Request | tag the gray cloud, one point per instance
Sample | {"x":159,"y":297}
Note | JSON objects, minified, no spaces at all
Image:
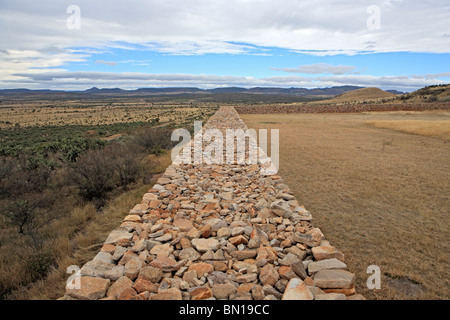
{"x":318,"y":68}
{"x":109,"y":63}
{"x":223,"y":26}
{"x":133,"y":80}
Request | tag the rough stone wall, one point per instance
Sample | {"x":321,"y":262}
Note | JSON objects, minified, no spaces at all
{"x":341,"y":108}
{"x":219,"y":231}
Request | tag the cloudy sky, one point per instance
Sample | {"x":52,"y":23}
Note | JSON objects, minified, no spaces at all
{"x":78,"y":44}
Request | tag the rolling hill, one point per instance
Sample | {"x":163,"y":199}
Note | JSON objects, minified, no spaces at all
{"x":371,"y":93}
{"x":437,"y":93}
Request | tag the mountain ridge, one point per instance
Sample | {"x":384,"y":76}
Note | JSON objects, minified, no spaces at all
{"x":326,"y":92}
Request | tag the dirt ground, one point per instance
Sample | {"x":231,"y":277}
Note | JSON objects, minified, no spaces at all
{"x":381,"y":196}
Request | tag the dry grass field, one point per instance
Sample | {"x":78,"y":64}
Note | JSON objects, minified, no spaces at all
{"x":76,"y":113}
{"x":431,"y":128}
{"x":382,"y":196}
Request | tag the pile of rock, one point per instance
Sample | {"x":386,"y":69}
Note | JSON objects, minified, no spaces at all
{"x":217,"y":232}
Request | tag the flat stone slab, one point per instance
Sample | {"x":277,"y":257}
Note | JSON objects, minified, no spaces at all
{"x":118,"y":235}
{"x":333,"y":263}
{"x":91,"y":288}
{"x":334,"y":279}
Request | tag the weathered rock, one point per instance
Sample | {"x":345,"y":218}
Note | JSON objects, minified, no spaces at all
{"x":296,"y":289}
{"x":203,"y":245}
{"x":115,"y":273}
{"x":237,"y":240}
{"x":205,"y":231}
{"x":216,"y":224}
{"x":244,"y":254}
{"x":166,"y":264}
{"x":133,"y":218}
{"x":301,"y":254}
{"x":133,"y":267}
{"x":299,"y":269}
{"x":223,"y":291}
{"x":190,"y":275}
{"x":162,"y":250}
{"x":117,"y":236}
{"x":289,"y":259}
{"x":168,"y":294}
{"x":129,"y":294}
{"x":201,"y":293}
{"x":183,"y":224}
{"x":151,"y":273}
{"x":91,"y":288}
{"x":330,"y":296}
{"x":189,"y":254}
{"x":286,"y":273}
{"x":118,"y":286}
{"x":333,"y":263}
{"x":140,"y":245}
{"x":245,"y":278}
{"x":334,"y":279}
{"x":268,"y":275}
{"x":281,"y":208}
{"x":201,"y":268}
{"x":306,"y":239}
{"x":164,"y":238}
{"x":142,"y":284}
{"x":327,"y":252}
{"x":223,"y":233}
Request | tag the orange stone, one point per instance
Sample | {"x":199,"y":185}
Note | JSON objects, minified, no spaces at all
{"x":201,"y":268}
{"x":201,"y":293}
{"x":237,"y":240}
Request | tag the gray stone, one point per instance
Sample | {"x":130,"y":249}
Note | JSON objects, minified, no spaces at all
{"x":299,"y":269}
{"x":115,"y":273}
{"x":189,"y":253}
{"x":331,"y":296}
{"x":203,"y":245}
{"x":118,"y":235}
{"x":281,"y":208}
{"x":333,"y":263}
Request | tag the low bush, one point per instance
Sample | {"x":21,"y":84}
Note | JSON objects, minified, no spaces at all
{"x":154,"y":139}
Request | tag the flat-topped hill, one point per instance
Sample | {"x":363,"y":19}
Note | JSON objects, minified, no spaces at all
{"x":363,"y":94}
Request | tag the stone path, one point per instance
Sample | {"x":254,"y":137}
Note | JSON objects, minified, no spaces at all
{"x":217,"y":232}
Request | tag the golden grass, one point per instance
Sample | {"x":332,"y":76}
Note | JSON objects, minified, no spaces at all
{"x":380,"y":203}
{"x":64,"y":113}
{"x":363,"y":94}
{"x":429,"y":128}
